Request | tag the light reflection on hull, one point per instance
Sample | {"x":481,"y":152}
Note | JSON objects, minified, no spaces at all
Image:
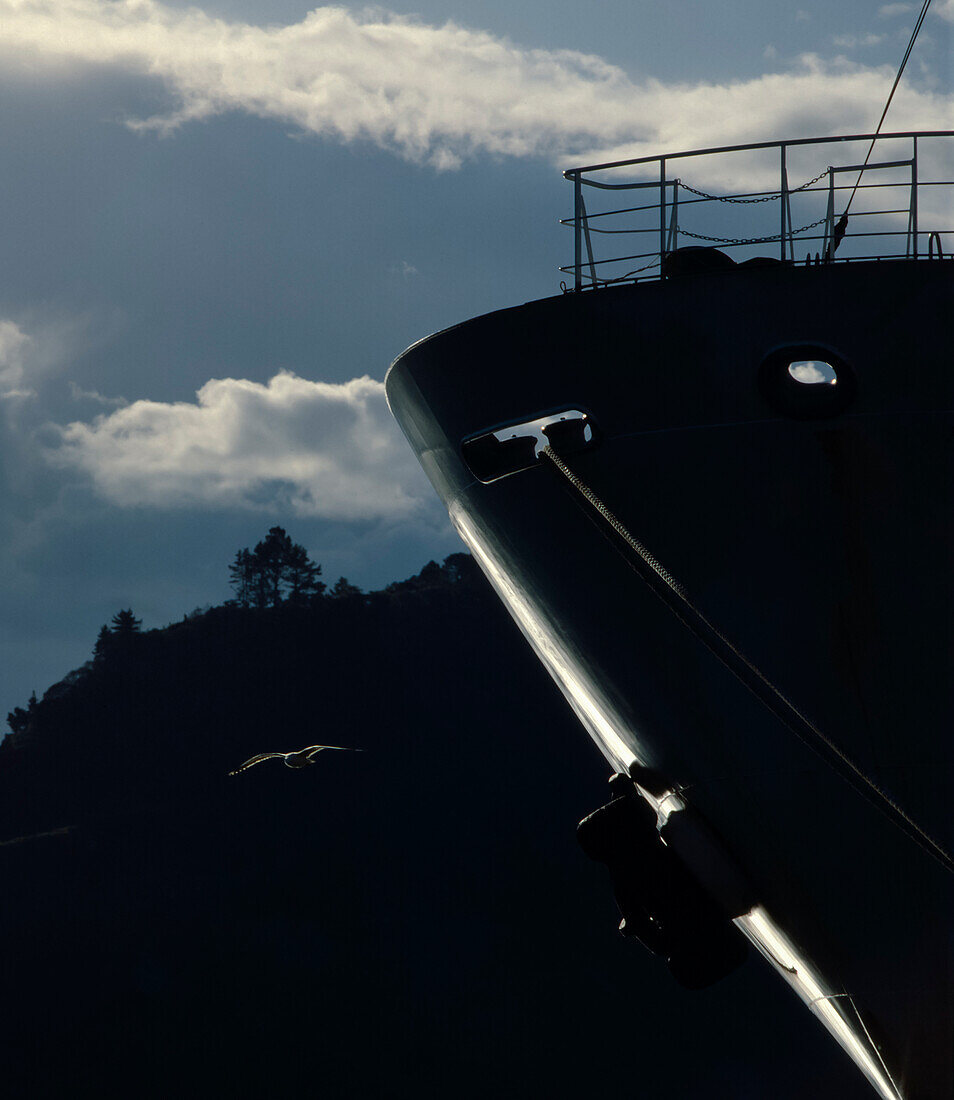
{"x":849,"y":1030}
{"x":617,"y":746}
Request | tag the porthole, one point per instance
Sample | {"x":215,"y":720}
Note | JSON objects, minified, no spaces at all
{"x":807,"y":382}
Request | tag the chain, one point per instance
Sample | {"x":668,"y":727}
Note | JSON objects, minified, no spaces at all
{"x":749,"y":240}
{"x":764,"y":198}
{"x":715,"y":240}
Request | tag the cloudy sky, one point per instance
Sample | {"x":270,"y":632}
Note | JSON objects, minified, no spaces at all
{"x":219,"y":224}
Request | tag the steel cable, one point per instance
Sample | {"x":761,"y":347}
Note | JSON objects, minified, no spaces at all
{"x":894,"y":86}
{"x":673,"y":594}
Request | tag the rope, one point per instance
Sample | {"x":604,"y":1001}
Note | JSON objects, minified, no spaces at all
{"x":894,"y":86}
{"x":675,"y":597}
{"x":629,"y":274}
{"x":585,"y":491}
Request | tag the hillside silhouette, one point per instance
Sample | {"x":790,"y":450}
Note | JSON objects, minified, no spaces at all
{"x":412,"y":920}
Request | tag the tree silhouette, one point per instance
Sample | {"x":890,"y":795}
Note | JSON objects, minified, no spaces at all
{"x":240,"y":577}
{"x":19,"y":719}
{"x":343,"y":589}
{"x":103,"y":642}
{"x":301,"y":574}
{"x":125,"y":625}
{"x":276,"y":570}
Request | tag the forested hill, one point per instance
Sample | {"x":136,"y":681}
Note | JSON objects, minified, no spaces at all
{"x":415,"y":919}
{"x":160,"y":714}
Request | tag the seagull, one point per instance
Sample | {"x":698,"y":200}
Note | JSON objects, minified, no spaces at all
{"x":300,"y":759}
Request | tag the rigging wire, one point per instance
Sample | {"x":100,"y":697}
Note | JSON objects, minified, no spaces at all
{"x":894,"y":86}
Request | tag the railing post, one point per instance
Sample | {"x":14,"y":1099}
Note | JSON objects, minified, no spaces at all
{"x":829,"y":250}
{"x":662,"y":213}
{"x":577,"y":231}
{"x":783,"y":200}
{"x":673,"y":241}
{"x":587,"y":241}
{"x":914,"y":198}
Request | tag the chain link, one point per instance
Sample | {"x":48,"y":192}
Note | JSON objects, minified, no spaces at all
{"x":748,"y":240}
{"x":721,"y":240}
{"x":764,"y":198}
{"x":715,"y":240}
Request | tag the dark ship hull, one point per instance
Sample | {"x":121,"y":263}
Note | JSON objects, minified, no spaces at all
{"x":786,"y":673}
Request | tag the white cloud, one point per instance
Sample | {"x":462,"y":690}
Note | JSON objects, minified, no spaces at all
{"x":34,"y":347}
{"x":811,"y":373}
{"x":308,"y":448}
{"x":853,"y":41}
{"x":79,"y":394}
{"x":440,"y":94}
{"x":404,"y":269}
{"x":888,"y":10}
{"x":14,"y":345}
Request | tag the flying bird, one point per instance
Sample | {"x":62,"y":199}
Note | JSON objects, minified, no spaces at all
{"x":300,"y":759}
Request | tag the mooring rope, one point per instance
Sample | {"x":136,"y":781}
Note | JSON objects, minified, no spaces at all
{"x":674,"y":595}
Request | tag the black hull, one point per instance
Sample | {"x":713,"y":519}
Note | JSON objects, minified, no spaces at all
{"x":817,"y":547}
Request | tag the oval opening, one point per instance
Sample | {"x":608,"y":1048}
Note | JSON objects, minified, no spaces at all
{"x":807,"y":381}
{"x":813,"y":372}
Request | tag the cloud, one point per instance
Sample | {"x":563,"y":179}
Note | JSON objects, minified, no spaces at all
{"x":853,"y":41}
{"x":811,"y":372}
{"x":79,"y":394}
{"x":33,"y":348}
{"x":14,"y":345}
{"x":439,"y":94}
{"x":404,"y":269}
{"x":292,"y":446}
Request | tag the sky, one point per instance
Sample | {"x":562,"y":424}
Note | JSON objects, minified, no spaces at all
{"x":220,"y":224}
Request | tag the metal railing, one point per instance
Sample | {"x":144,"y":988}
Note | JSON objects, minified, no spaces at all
{"x":674,"y":213}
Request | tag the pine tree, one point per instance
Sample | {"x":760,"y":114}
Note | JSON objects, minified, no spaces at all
{"x":301,"y":575}
{"x":103,"y":643}
{"x":241,"y":578}
{"x":270,"y":557}
{"x":344,"y":589}
{"x":125,"y":625}
{"x":276,"y":570}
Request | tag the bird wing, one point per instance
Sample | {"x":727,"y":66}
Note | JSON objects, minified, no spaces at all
{"x":257,"y":760}
{"x":313,"y":750}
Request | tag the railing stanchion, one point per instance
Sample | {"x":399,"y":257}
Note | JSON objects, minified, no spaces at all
{"x":587,"y":241}
{"x":673,"y":242}
{"x":662,"y":213}
{"x":914,"y":198}
{"x":577,"y":231}
{"x":783,"y":200}
{"x":829,"y":252}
